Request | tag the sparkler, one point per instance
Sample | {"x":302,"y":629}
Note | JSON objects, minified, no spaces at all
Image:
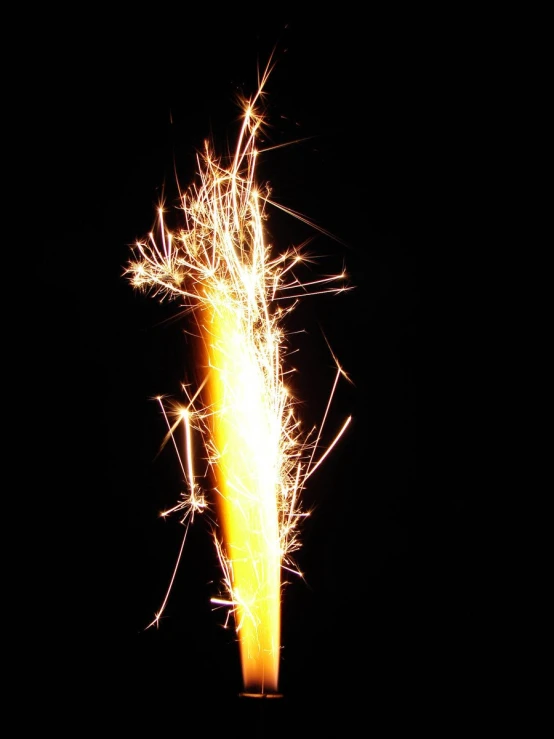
{"x":220,"y":266}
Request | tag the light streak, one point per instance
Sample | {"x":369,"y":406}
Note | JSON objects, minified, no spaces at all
{"x":220,"y":266}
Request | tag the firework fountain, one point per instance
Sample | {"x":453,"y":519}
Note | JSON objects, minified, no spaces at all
{"x":257,"y":458}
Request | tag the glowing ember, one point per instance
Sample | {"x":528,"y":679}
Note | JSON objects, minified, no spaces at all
{"x":220,"y":266}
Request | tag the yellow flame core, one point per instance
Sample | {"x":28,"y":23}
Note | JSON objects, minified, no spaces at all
{"x":246,"y":432}
{"x":221,"y":267}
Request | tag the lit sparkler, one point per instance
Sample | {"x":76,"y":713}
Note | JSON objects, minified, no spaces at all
{"x":220,"y":266}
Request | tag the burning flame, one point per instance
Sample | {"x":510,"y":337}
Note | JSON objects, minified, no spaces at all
{"x":220,"y":265}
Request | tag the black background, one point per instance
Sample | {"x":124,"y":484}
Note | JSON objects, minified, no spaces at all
{"x":380,"y":631}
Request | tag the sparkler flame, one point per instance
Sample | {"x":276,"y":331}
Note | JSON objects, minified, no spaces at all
{"x":220,"y":265}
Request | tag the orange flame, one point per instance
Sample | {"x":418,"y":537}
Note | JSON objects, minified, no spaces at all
{"x":246,"y":435}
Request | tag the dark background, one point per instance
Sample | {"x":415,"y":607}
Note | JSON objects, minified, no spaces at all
{"x":380,"y":631}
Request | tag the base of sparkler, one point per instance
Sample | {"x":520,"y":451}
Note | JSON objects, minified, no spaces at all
{"x":260,"y":695}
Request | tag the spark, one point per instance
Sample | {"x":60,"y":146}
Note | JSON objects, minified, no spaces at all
{"x":220,"y":266}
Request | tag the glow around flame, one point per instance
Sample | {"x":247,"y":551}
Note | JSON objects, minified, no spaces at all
{"x":220,"y":266}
